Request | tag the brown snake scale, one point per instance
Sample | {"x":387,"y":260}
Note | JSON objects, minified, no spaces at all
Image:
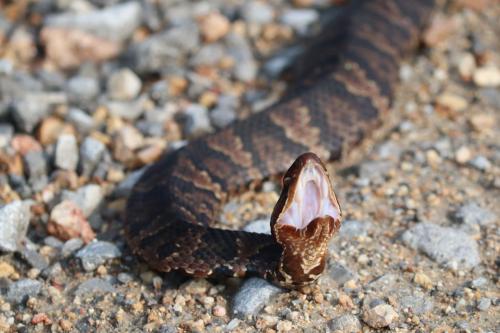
{"x":344,"y":90}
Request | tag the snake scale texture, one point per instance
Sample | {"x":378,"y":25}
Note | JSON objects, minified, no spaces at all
{"x":345,"y":90}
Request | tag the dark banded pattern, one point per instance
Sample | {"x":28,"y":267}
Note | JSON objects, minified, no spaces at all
{"x":346,"y":86}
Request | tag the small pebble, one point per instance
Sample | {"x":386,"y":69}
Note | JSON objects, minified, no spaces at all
{"x":70,"y":246}
{"x":484,"y":304}
{"x":124,"y":85}
{"x":479,"y":282}
{"x":473,"y":214}
{"x":66,"y":152}
{"x":21,"y":290}
{"x":91,"y":152}
{"x":299,"y":19}
{"x":36,"y":167}
{"x":346,"y":323}
{"x":82,"y":90}
{"x":219,"y":311}
{"x":423,"y":280}
{"x":452,"y":101}
{"x":481,"y":163}
{"x":463,"y":155}
{"x":196,"y":120}
{"x":82,"y":121}
{"x":96,"y":253}
{"x":68,"y":221}
{"x":94,"y":286}
{"x":252,"y":296}
{"x":378,"y":314}
{"x":214,"y":26}
{"x":257,"y":12}
{"x":487,"y":76}
{"x":14,"y":222}
{"x":87,"y":197}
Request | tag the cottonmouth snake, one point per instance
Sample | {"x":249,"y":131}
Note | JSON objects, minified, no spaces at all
{"x":343,"y":91}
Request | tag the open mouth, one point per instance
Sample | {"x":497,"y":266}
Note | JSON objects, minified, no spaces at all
{"x":309,"y":198}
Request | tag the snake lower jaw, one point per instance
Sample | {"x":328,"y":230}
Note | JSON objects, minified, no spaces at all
{"x":304,"y":251}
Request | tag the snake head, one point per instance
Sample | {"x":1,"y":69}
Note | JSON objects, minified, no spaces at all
{"x":304,"y":219}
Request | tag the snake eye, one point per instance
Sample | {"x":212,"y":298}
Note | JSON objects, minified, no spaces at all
{"x":310,"y":198}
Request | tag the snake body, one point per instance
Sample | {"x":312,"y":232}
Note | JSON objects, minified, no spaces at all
{"x":343,"y":92}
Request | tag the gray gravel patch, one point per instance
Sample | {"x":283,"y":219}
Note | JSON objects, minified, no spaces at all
{"x":449,"y":247}
{"x":252,"y":296}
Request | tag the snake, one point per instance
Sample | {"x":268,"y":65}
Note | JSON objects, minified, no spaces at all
{"x":342,"y":89}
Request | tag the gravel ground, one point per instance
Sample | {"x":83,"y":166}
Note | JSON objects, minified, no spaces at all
{"x":88,"y":101}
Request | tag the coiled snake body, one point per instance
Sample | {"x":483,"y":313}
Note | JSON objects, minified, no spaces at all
{"x":345,"y":91}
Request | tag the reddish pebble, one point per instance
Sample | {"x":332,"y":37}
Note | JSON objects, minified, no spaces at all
{"x":67,"y":221}
{"x":41,"y":318}
{"x":24,"y":144}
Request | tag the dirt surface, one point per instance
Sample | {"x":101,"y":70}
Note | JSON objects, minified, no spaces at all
{"x":419,"y":247}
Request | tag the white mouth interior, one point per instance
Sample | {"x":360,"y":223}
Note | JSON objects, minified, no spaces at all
{"x":311,"y":200}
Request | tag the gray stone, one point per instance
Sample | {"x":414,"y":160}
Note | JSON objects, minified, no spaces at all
{"x":168,"y":328}
{"x":208,"y":55}
{"x":346,"y":323}
{"x":91,"y":153}
{"x":52,"y":80}
{"x":472,"y":214}
{"x":340,"y":274}
{"x":479,"y":282}
{"x":160,"y":92}
{"x":162,"y":51}
{"x":19,"y":184}
{"x":299,"y":19}
{"x":417,"y":304}
{"x":449,"y":247}
{"x":124,"y":277}
{"x":70,"y":246}
{"x":389,"y":150}
{"x":94,"y":286}
{"x":53,"y":242}
{"x":259,"y":226}
{"x":252,"y":296}
{"x":28,"y":112}
{"x":33,"y":258}
{"x":96,"y":253}
{"x":490,"y":96}
{"x":481,"y":163}
{"x":6,"y":133}
{"x":222,"y":117}
{"x":36,"y":167}
{"x":66,"y":152}
{"x":14,"y":222}
{"x":484,"y":304}
{"x":257,"y":12}
{"x":124,"y":85}
{"x":87,"y":197}
{"x":245,"y":68}
{"x":21,"y":290}
{"x":233,"y":324}
{"x":130,"y":110}
{"x":196,"y":120}
{"x":83,"y":122}
{"x":375,"y":170}
{"x":82,"y":90}
{"x":354,"y":228}
{"x":115,"y":23}
{"x":124,"y":188}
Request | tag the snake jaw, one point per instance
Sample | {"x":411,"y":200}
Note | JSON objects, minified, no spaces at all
{"x":303,"y":221}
